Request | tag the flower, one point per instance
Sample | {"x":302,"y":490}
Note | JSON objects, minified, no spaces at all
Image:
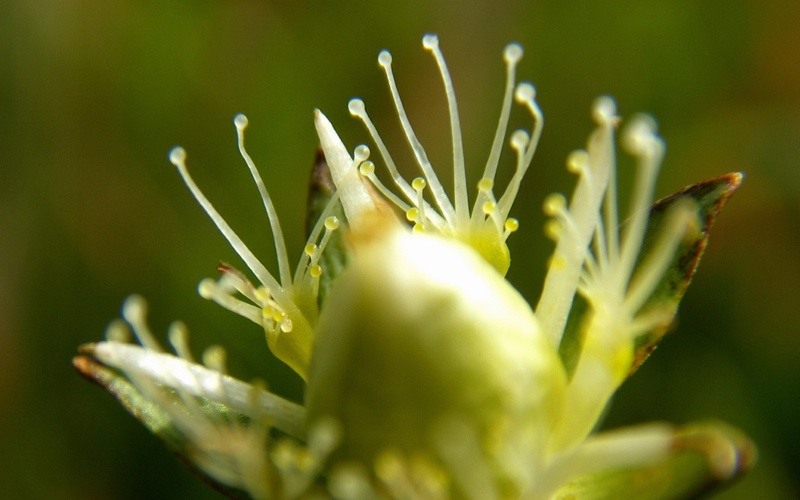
{"x":428,"y":375}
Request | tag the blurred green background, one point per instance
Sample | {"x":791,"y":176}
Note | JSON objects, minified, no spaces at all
{"x":94,"y":93}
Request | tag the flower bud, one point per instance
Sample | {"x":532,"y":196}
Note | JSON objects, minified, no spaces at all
{"x":421,"y":331}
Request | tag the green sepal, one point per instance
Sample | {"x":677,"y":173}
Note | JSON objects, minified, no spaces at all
{"x":704,"y":458}
{"x":320,"y":191}
{"x":152,"y":416}
{"x":709,"y":196}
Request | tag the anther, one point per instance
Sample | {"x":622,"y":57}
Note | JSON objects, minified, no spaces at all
{"x":485,"y":185}
{"x":525,"y":93}
{"x":430,"y":42}
{"x":511,"y":225}
{"x":331,"y":223}
{"x":361,"y":153}
{"x":118,"y":331}
{"x":385,"y":58}
{"x":357,"y":108}
{"x":604,"y":110}
{"x":367,"y":169}
{"x":555,"y":204}
{"x":177,"y":156}
{"x":513,"y":53}
{"x":215,"y":358}
{"x":639,"y":137}
{"x":578,"y":162}
{"x":240,"y":121}
{"x":178,"y":336}
{"x":519,"y":140}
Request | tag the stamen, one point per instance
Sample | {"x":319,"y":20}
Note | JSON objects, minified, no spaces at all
{"x":510,"y":226}
{"x":641,"y":141}
{"x":431,"y":43}
{"x":214,"y":358}
{"x":280,"y":247}
{"x":525,"y":94}
{"x":178,"y":336}
{"x":512,"y":55}
{"x":313,"y":237}
{"x":134,"y":311}
{"x":357,"y":109}
{"x":367,"y":169}
{"x":118,"y":331}
{"x":178,"y":158}
{"x":209,"y":290}
{"x":489,"y":207}
{"x":234,"y":280}
{"x":561,"y":282}
{"x":439,"y":194}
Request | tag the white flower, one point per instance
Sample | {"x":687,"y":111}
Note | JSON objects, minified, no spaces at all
{"x":428,"y":374}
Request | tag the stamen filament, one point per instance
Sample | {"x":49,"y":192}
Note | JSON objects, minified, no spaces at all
{"x":277,"y":234}
{"x":439,"y":194}
{"x":642,"y":142}
{"x":209,"y":289}
{"x":431,"y":43}
{"x":525,"y":94}
{"x":178,"y":158}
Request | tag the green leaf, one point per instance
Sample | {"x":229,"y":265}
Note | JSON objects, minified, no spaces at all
{"x":709,"y":196}
{"x":152,"y":415}
{"x":705,"y":457}
{"x":320,"y":191}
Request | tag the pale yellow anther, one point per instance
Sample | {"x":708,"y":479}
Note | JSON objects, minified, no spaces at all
{"x":310,"y":249}
{"x":511,"y":225}
{"x":419,"y":184}
{"x":367,"y":168}
{"x":555,"y":204}
{"x":485,"y":185}
{"x":332,"y":223}
{"x":412,"y":214}
{"x":578,"y":161}
{"x":489,"y":207}
{"x":315,"y":271}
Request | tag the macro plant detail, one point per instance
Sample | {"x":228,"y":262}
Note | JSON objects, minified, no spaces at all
{"x":427,"y":374}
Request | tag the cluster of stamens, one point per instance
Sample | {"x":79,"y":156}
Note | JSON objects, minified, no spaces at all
{"x":278,"y":305}
{"x":455,"y":219}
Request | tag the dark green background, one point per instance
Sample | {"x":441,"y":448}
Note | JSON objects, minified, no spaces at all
{"x":94,"y":93}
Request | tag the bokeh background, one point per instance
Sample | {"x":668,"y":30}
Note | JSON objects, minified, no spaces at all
{"x":93,"y":94}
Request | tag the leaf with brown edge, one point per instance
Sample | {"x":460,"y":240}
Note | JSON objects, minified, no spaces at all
{"x":149,"y":414}
{"x":709,"y":196}
{"x":704,"y":458}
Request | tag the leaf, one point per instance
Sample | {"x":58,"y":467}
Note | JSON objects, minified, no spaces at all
{"x":151,"y":415}
{"x":320,"y":192}
{"x":709,"y":196}
{"x":705,"y":457}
